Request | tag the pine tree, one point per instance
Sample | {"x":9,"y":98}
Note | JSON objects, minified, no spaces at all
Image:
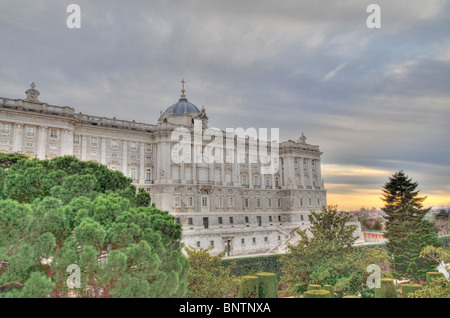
{"x":406,"y":229}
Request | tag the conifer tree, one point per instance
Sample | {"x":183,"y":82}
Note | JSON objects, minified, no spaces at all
{"x":406,"y":229}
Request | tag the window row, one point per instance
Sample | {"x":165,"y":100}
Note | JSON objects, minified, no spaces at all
{"x":231,"y":220}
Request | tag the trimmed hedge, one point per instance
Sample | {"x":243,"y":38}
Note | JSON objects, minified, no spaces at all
{"x":321,"y":293}
{"x":432,"y":276}
{"x":410,"y":288}
{"x":249,"y":287}
{"x":314,"y":287}
{"x":387,"y":289}
{"x":256,"y":264}
{"x":351,"y":296}
{"x":444,"y":240}
{"x":330,"y":288}
{"x":268,"y":285}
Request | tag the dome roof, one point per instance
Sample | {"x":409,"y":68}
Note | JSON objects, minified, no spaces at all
{"x":183,"y":107}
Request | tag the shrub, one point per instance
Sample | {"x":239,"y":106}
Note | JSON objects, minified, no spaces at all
{"x":408,"y":289}
{"x":319,"y":293}
{"x":444,"y":240}
{"x":249,"y":287}
{"x":432,"y":276}
{"x":330,"y":288}
{"x":387,"y":289}
{"x":314,"y":287}
{"x":268,"y":285}
{"x":252,"y":265}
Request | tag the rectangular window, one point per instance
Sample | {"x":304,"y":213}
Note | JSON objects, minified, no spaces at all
{"x":310,"y":203}
{"x":301,"y":217}
{"x":259,"y":220}
{"x":94,"y":142}
{"x":148,"y":175}
{"x":190,"y":221}
{"x":204,"y":202}
{"x":53,"y":133}
{"x":76,"y":139}
{"x":5,"y":129}
{"x":270,"y":218}
{"x":177,"y":201}
{"x":269,"y":203}
{"x":114,"y":144}
{"x":301,"y":202}
{"x":205,"y":223}
{"x":133,"y":146}
{"x":279,"y":203}
{"x":254,"y":240}
{"x":211,"y":243}
{"x":318,"y":202}
{"x":246,"y":219}
{"x":219,"y":220}
{"x":148,"y":147}
{"x":244,"y":181}
{"x":29,"y":131}
{"x":133,"y":174}
{"x":177,"y":220}
{"x":279,"y":218}
{"x":220,"y":202}
{"x":198,"y":243}
{"x":231,"y":202}
{"x":231,"y":220}
{"x":242,"y":241}
{"x":246,"y":203}
{"x":191,"y":201}
{"x":258,"y":203}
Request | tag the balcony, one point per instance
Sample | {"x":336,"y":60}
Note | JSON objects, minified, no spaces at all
{"x":149,"y":181}
{"x":257,"y":186}
{"x":202,"y":182}
{"x":245,"y":186}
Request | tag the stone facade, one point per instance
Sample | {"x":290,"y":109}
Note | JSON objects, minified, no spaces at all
{"x":229,"y":206}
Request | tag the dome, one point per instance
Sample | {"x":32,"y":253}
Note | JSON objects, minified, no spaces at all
{"x":183,"y":107}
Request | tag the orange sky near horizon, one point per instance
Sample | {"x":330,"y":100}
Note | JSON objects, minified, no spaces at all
{"x":352,"y":197}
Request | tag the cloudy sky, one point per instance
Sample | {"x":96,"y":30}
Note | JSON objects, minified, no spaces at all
{"x":375,"y":100}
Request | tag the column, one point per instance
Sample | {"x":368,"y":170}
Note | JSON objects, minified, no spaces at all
{"x":286,"y":171}
{"x":319,"y":172}
{"x":125,"y":158}
{"x":103,"y":152}
{"x":250,"y":174}
{"x":156,"y":161}
{"x":69,"y":143}
{"x":291,"y":172}
{"x":167,"y":159}
{"x":83,"y":148}
{"x":310,"y":172}
{"x":42,"y":142}
{"x":302,"y":172}
{"x":141,"y":164}
{"x":17,"y":141}
{"x":182,"y":173}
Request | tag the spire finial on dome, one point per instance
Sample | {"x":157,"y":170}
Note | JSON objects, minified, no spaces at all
{"x":182,"y":88}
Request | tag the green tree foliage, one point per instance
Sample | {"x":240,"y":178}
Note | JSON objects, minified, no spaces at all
{"x":326,"y":257}
{"x":59,"y":212}
{"x":208,"y":278}
{"x":9,"y":159}
{"x":407,"y":231}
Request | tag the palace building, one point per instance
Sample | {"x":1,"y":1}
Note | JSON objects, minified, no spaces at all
{"x":230,"y":206}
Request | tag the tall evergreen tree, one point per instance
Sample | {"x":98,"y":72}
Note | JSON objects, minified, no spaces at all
{"x":406,"y":229}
